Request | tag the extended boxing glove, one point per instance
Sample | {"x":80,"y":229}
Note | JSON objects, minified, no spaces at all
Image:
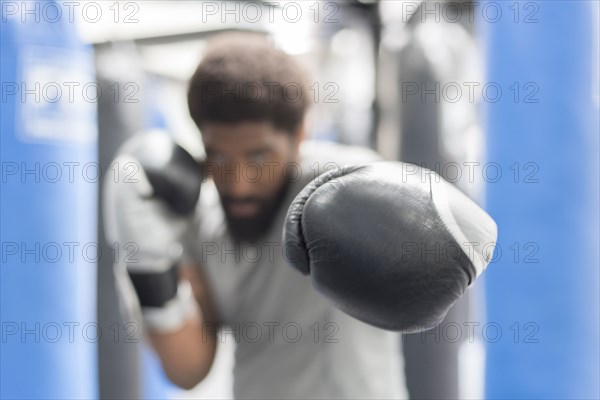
{"x":149,"y":203}
{"x":392,"y":246}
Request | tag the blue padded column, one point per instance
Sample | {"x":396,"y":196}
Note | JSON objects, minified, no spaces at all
{"x":543,"y":289}
{"x":48,"y":207}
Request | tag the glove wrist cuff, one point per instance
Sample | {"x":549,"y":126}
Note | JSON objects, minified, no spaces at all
{"x":155,"y":288}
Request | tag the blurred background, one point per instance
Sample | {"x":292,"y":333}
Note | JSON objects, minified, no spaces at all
{"x":501,"y":98}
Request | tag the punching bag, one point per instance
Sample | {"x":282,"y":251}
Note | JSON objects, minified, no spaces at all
{"x":48,"y":207}
{"x":542,"y":286}
{"x":439,"y":133}
{"x":119,"y":117}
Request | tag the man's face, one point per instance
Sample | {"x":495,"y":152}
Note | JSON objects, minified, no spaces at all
{"x":248,"y":163}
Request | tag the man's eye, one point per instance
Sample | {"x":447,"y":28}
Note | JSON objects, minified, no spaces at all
{"x":257,"y":157}
{"x":215,"y":158}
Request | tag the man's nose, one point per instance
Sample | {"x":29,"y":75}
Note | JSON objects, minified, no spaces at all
{"x":241,"y":189}
{"x":238,"y":185}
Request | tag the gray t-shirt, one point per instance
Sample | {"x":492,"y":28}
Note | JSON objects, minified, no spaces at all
{"x":290,"y":342}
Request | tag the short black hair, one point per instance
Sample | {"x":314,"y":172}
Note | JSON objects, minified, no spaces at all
{"x":245,"y":77}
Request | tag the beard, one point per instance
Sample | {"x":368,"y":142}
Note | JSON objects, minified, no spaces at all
{"x":250,"y":229}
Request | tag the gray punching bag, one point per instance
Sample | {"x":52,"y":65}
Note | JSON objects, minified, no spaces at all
{"x":439,"y":133}
{"x":120,"y":115}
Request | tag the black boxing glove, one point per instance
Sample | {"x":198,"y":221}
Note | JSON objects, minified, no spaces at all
{"x":149,"y":204}
{"x":390,"y":248}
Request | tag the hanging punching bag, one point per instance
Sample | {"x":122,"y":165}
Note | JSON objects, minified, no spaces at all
{"x":48,"y":207}
{"x":542,"y":294}
{"x":438,"y":132}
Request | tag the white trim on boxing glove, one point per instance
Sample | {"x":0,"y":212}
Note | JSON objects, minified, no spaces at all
{"x":472,"y":228}
{"x":175,"y":314}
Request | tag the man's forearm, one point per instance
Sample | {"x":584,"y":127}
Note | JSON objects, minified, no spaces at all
{"x":187,"y":354}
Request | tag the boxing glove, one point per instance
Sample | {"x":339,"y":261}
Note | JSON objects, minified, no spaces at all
{"x":149,"y":203}
{"x":390,"y":244}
